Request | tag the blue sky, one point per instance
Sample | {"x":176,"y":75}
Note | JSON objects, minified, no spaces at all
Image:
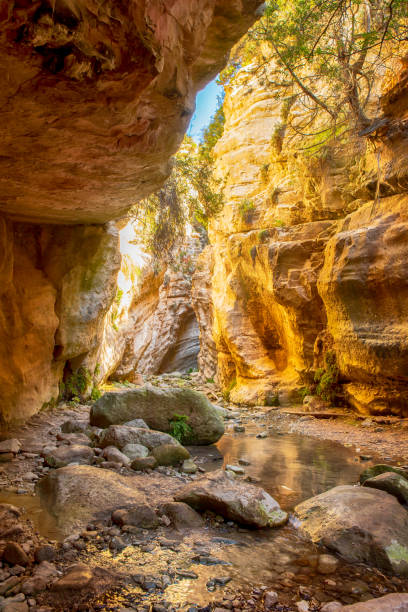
{"x":206,"y":105}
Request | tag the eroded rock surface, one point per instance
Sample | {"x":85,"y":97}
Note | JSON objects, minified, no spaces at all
{"x":361,"y":524}
{"x":96,"y":98}
{"x":241,"y":502}
{"x":303,"y":262}
{"x":158,"y":408}
{"x":76,"y":494}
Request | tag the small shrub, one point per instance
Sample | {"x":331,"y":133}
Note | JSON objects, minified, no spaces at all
{"x":179,"y":428}
{"x":76,"y":385}
{"x":327,"y":378}
{"x":302,"y":393}
{"x":246,"y":208}
{"x":263,"y":235}
{"x":95,"y":394}
{"x":227,"y":392}
{"x":272,"y":399}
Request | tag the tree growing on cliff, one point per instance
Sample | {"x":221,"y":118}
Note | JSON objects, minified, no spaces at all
{"x":191,"y":194}
{"x":326,"y":56}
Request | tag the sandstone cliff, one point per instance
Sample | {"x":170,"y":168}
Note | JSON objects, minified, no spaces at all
{"x":308,"y":260}
{"x":94,"y":99}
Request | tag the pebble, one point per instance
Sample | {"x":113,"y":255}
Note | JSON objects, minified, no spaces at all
{"x":327,"y":564}
{"x":239,"y":428}
{"x":302,"y":606}
{"x":244,"y":462}
{"x":236,"y":469}
{"x":14,"y":554}
{"x":45,"y":553}
{"x":262,"y":435}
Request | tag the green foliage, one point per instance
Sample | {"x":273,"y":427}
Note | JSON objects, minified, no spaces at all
{"x":323,"y":57}
{"x":272,"y":399}
{"x":95,"y":394}
{"x":191,"y":194}
{"x":118,"y":296}
{"x":179,"y":427}
{"x":302,"y":393}
{"x":76,"y":385}
{"x":263,"y":235}
{"x":226,"y":394}
{"x":210,"y":380}
{"x":97,"y":369}
{"x":246,"y":208}
{"x":327,"y":378}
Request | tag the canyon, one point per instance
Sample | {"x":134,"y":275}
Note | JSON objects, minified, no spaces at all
{"x":306,"y":260}
{"x":223,"y":427}
{"x":94,"y":101}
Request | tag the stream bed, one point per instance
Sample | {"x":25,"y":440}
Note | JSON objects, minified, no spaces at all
{"x":291,"y":468}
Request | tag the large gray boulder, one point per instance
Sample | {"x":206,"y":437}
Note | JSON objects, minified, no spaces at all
{"x":77,"y":494}
{"x":122,"y":435}
{"x":361,"y":524}
{"x":158,"y":407}
{"x":237,"y":501}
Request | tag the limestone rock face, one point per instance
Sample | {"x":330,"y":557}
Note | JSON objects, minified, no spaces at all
{"x":28,"y":376}
{"x":364,"y":286}
{"x":96,"y":98}
{"x":58,"y":285}
{"x":303,"y":262}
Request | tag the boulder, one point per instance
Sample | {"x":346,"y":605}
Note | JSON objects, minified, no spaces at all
{"x":14,"y":606}
{"x":137,"y":423}
{"x":122,"y":435}
{"x":170,"y":454}
{"x":78,"y":494}
{"x":43,"y":574}
{"x":189,"y":467}
{"x":158,"y":407}
{"x":111,"y":453}
{"x":392,"y":483}
{"x":64,"y":455}
{"x":135,"y":451}
{"x":74,"y":426}
{"x":78,"y":577}
{"x":14,"y":554}
{"x":143,"y":463}
{"x":10,"y":446}
{"x":394,"y":602}
{"x":237,"y":501}
{"x":140,"y":515}
{"x":182,"y":516}
{"x":376,"y":470}
{"x":361,"y":524}
{"x":9,"y":519}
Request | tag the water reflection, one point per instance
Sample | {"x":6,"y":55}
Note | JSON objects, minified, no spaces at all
{"x":292,"y":467}
{"x":43,"y":522}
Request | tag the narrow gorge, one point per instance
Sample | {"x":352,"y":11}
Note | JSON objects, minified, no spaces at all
{"x":204,"y":337}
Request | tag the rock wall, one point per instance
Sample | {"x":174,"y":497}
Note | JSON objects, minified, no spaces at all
{"x":94,"y":99}
{"x":154,"y":327}
{"x":307,"y":259}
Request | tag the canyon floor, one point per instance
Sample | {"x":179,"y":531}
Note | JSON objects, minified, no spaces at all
{"x":218,"y":566}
